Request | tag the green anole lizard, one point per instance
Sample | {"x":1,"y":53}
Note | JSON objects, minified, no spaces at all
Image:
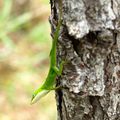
{"x":49,"y":83}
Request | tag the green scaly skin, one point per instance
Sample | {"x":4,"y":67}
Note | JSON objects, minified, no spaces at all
{"x":54,"y":71}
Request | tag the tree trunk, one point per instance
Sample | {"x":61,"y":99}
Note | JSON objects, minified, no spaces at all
{"x":90,"y":43}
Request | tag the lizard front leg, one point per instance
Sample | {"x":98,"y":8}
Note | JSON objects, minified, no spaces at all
{"x":60,"y":69}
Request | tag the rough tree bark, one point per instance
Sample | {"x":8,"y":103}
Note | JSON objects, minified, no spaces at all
{"x":90,"y":42}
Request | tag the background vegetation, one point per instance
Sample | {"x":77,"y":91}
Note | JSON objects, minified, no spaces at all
{"x":24,"y":49}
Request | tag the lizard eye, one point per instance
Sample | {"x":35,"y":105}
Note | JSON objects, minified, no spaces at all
{"x":33,"y":96}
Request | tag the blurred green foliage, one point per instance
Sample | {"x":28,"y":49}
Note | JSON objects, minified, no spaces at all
{"x":9,"y":23}
{"x":40,"y":31}
{"x":24,"y":62}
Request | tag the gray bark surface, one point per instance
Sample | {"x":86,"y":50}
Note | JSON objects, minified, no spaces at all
{"x":90,"y":42}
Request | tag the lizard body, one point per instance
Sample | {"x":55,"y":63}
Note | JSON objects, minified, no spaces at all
{"x":49,"y":83}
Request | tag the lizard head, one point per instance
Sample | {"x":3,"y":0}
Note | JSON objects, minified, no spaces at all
{"x":37,"y":95}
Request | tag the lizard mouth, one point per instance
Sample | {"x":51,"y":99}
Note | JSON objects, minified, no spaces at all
{"x":37,"y":97}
